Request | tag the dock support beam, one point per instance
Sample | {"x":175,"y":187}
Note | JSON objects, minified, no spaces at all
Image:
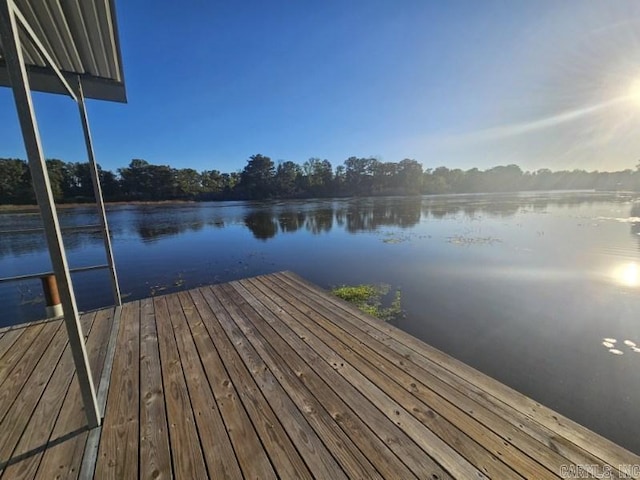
{"x":26,"y":115}
{"x":97,"y":191}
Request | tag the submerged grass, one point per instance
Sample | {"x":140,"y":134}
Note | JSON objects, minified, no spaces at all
{"x":368,"y":298}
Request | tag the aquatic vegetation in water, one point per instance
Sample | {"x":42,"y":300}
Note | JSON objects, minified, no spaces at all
{"x":368,"y":298}
{"x":467,"y":240}
{"x":29,"y":297}
{"x":174,"y":285}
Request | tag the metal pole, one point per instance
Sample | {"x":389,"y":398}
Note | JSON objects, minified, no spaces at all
{"x":26,"y":115}
{"x":97,"y":191}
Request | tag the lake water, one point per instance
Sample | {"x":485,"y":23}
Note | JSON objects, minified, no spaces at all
{"x":525,"y":288}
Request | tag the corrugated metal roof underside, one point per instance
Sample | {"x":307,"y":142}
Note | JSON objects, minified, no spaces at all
{"x":82,"y":38}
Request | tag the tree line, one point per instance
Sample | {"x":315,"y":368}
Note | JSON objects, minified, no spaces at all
{"x":262,"y":178}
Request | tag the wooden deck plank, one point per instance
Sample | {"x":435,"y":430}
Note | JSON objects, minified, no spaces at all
{"x":431,"y":444}
{"x":186,"y":451}
{"x":313,"y":450}
{"x":216,"y":446}
{"x":8,"y":339}
{"x":565,"y":430}
{"x":40,"y":425}
{"x":28,"y":387}
{"x":517,"y":428}
{"x":13,"y":357}
{"x":64,"y":452}
{"x":315,"y":355}
{"x":291,"y":372}
{"x":155,"y":456}
{"x":271,"y":377}
{"x":118,"y":452}
{"x":282,"y":453}
{"x":360,"y":440}
{"x":472,"y":439}
{"x":422,"y":383}
{"x":251,"y":456}
{"x":22,"y":326}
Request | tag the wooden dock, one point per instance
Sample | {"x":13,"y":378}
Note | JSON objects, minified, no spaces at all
{"x":271,"y":377}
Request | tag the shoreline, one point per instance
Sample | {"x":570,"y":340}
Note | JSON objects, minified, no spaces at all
{"x":61,"y":206}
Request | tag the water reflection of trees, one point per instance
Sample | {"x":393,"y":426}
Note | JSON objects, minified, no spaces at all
{"x":291,"y":220}
{"x":635,"y":226}
{"x":504,"y":206}
{"x":262,"y":224}
{"x":319,"y":220}
{"x":370,"y":214}
{"x":266,"y":220}
{"x":154,"y":223}
{"x":23,"y":243}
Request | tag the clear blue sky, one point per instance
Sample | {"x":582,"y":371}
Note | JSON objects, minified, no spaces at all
{"x":539,"y":83}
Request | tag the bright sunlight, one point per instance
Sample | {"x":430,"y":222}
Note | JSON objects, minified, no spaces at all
{"x":634,"y":92}
{"x":628,"y":274}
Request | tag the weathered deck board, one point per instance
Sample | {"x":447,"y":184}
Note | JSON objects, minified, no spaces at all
{"x":524,"y":414}
{"x":377,"y":439}
{"x":41,"y":423}
{"x":455,"y":426}
{"x":284,"y":457}
{"x":304,"y":437}
{"x":7,"y":339}
{"x":118,"y":455}
{"x":402,"y":403}
{"x":155,"y":456}
{"x":251,"y":457}
{"x":65,"y":449}
{"x":270,"y":377}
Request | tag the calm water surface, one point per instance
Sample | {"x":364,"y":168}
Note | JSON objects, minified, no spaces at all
{"x":525,"y":288}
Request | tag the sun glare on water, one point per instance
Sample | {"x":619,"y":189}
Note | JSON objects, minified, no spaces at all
{"x":628,"y":274}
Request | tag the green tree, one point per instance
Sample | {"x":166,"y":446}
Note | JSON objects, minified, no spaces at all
{"x":357,"y":171}
{"x":287,"y":179}
{"x":59,"y":179}
{"x":257,"y":178}
{"x":409,"y":175}
{"x":319,"y":175}
{"x":211,"y":182}
{"x":15,"y":181}
{"x":144,"y":181}
{"x":188,"y":183}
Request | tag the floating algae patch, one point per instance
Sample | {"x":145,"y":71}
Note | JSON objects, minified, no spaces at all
{"x":467,"y":240}
{"x":391,"y":237}
{"x":369,"y":299}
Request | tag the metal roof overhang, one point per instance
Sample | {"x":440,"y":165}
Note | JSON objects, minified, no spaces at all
{"x":81,"y":37}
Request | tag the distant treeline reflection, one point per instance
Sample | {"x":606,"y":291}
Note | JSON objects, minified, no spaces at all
{"x":265,"y":220}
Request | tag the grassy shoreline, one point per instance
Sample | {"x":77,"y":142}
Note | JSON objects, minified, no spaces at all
{"x":34,"y":208}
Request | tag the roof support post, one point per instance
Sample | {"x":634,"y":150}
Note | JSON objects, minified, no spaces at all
{"x":97,"y":191}
{"x":26,"y":115}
